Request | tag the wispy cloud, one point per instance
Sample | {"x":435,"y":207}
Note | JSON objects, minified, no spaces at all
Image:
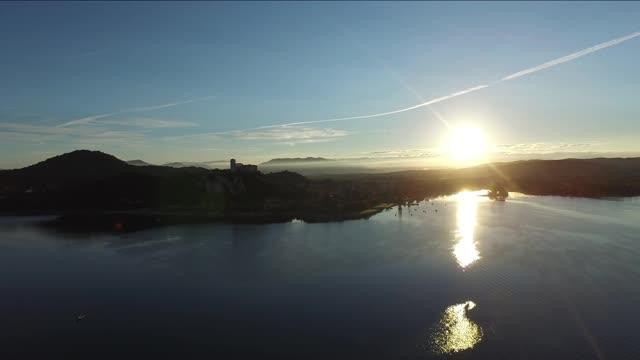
{"x":86,"y":120}
{"x":288,"y":135}
{"x":306,"y":141}
{"x":399,"y":153}
{"x":78,"y":135}
{"x":295,"y":133}
{"x":37,"y":129}
{"x":46,"y":130}
{"x":521,"y":149}
{"x":149,"y":123}
{"x":542,"y":148}
{"x":515,"y":75}
{"x":89,"y":119}
{"x":22,"y":137}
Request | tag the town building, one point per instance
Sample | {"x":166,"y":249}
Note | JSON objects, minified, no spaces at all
{"x":242,"y":168}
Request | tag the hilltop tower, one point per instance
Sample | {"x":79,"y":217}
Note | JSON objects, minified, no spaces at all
{"x":242,"y":168}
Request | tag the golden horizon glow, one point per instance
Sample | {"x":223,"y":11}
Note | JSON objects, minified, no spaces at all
{"x":467,"y":143}
{"x":465,"y":250}
{"x":456,"y":332}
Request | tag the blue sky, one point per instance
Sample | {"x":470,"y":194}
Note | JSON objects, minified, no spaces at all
{"x":192,"y":81}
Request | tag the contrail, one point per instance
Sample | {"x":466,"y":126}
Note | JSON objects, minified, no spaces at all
{"x":515,"y":75}
{"x":570,"y":57}
{"x":87,"y":119}
{"x":93,"y":118}
{"x":432,"y":101}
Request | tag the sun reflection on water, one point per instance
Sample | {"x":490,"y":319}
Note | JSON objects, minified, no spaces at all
{"x":465,"y":250}
{"x":456,"y":332}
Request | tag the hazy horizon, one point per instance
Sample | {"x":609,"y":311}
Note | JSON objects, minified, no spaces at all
{"x":376,"y":163}
{"x":389,"y":82}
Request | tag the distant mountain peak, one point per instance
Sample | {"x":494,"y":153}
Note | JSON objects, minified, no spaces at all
{"x":77,"y":165}
{"x":81,"y":157}
{"x":179,"y":165}
{"x":214,"y":164}
{"x":175,"y":164}
{"x":138,"y":162}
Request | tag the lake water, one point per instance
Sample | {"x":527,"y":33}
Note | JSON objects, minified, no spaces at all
{"x":529,"y":278}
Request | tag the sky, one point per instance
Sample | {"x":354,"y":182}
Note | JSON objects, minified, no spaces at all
{"x":206,"y":81}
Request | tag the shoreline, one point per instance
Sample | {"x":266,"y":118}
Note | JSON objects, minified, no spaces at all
{"x":131,"y":220}
{"x":136,"y":220}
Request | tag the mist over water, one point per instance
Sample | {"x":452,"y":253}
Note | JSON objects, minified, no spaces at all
{"x":455,"y":277}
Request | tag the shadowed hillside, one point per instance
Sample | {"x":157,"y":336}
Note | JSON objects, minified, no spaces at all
{"x":74,"y":167}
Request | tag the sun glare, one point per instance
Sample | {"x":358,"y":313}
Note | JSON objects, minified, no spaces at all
{"x":465,"y":250}
{"x":467,"y":143}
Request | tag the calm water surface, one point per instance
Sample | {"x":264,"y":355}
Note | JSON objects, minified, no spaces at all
{"x":530,"y":278}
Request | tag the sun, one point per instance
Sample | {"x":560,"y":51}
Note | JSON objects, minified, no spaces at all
{"x":467,"y":143}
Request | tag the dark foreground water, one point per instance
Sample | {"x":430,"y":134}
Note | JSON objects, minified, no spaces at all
{"x":532,"y":278}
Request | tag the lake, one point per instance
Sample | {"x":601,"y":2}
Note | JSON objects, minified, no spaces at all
{"x":458,"y":277}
